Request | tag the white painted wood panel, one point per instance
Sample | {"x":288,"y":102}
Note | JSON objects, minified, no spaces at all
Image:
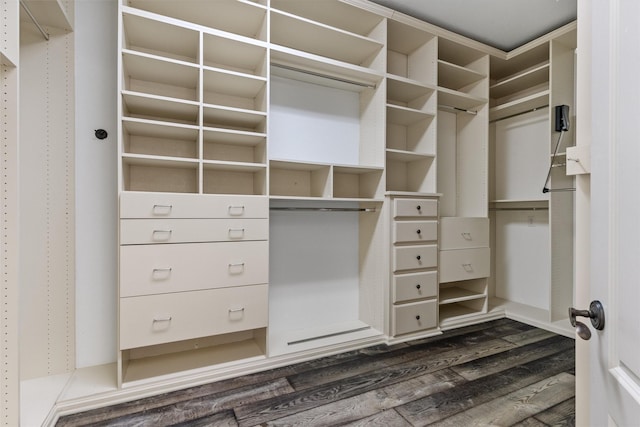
{"x":523,"y":269}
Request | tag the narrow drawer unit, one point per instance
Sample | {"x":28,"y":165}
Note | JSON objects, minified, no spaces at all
{"x":460,"y":233}
{"x":170,"y":205}
{"x":147,"y":231}
{"x":415,"y":231}
{"x":414,"y":317}
{"x":154,"y":269}
{"x":414,"y":286}
{"x":415,"y":257}
{"x":158,"y":319}
{"x":415,"y":208}
{"x":464,"y":264}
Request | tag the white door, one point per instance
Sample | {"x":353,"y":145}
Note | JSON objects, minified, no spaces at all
{"x":614,"y":353}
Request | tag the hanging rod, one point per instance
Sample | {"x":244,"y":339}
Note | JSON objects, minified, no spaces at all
{"x":42,"y":31}
{"x":458,"y":109}
{"x":519,"y":114}
{"x":324,"y":76}
{"x":293,"y":208}
{"x":519,"y":209}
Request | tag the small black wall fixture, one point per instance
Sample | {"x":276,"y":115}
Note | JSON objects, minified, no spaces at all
{"x":101,"y":133}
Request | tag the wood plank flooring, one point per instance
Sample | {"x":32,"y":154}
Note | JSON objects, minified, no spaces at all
{"x":499,"y":373}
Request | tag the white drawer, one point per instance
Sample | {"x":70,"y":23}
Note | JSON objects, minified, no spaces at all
{"x":157,"y":319}
{"x":415,"y":257}
{"x":413,"y":286}
{"x":464,"y":264}
{"x":460,"y":233}
{"x":415,"y":231}
{"x":170,"y":205}
{"x":414,"y":317}
{"x":144,"y":231}
{"x":155,"y":269}
{"x":415,"y":208}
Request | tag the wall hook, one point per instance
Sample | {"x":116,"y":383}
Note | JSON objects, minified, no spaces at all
{"x":101,"y":133}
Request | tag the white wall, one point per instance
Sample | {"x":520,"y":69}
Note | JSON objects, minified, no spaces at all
{"x":96,"y":184}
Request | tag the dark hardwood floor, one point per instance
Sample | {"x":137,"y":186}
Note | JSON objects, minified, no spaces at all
{"x":499,"y":373}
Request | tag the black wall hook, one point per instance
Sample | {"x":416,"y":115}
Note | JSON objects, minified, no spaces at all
{"x":101,"y":133}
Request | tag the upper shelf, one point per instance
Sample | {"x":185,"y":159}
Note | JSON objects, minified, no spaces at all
{"x":320,"y":39}
{"x":525,"y":79}
{"x":50,"y":13}
{"x":245,"y":18}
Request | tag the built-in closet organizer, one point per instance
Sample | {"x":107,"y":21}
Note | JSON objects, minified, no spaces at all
{"x":193,"y":284}
{"x":532,"y":239}
{"x":326,"y":177}
{"x":462,"y":181}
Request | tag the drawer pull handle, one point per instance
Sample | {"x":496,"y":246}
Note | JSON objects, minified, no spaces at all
{"x":236,"y":310}
{"x":239,"y":232}
{"x":166,"y":233}
{"x":418,"y":317}
{"x":160,"y":270}
{"x":236,"y":268}
{"x":418,"y":231}
{"x":162,"y":209}
{"x":162,"y":319}
{"x":418,"y":257}
{"x":468,"y":268}
{"x":236,"y":210}
{"x":466,"y":236}
{"x":419,"y":207}
{"x":418,"y":286}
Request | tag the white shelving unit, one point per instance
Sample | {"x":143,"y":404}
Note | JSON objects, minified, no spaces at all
{"x":538,"y":285}
{"x":463,"y":81}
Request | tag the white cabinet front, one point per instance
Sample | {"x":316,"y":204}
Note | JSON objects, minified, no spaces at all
{"x":156,"y":269}
{"x":157,"y":319}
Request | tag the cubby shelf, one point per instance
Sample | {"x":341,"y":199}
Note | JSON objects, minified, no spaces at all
{"x":161,"y":108}
{"x":160,"y":38}
{"x":407,"y":92}
{"x":455,"y":77}
{"x":245,"y":18}
{"x":528,"y":78}
{"x":332,"y":13}
{"x":407,"y":156}
{"x":452,"y":295}
{"x":452,"y":98}
{"x":161,"y":76}
{"x":322,"y":40}
{"x":299,"y":65}
{"x":527,"y":103}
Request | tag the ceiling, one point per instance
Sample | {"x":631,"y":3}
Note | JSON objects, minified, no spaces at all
{"x":504,"y":24}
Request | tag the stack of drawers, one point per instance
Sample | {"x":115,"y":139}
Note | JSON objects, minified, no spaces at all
{"x":191,"y":266}
{"x":414,"y":274}
{"x":464,"y":243}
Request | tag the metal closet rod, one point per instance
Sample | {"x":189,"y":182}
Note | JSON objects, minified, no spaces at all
{"x":294,"y":208}
{"x":519,"y":209}
{"x":324,"y":76}
{"x":519,"y":114}
{"x":458,"y":109}
{"x":42,"y":31}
